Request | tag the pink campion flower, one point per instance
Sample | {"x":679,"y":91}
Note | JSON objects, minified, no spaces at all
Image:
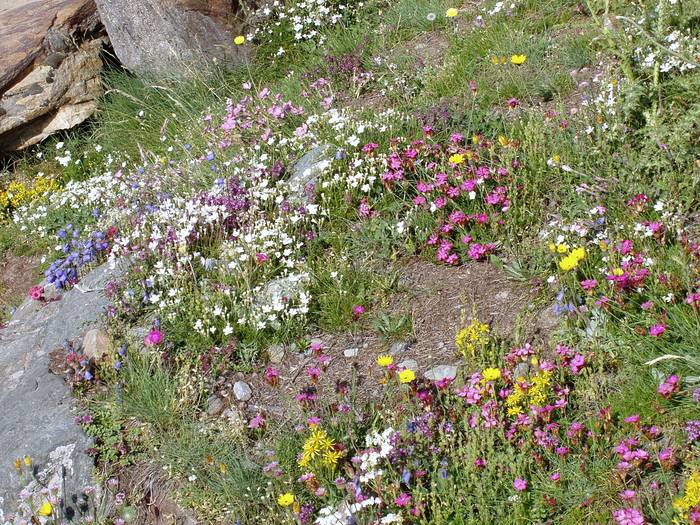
{"x":520,"y":484}
{"x":357,"y":311}
{"x":668,"y":387}
{"x":513,"y":103}
{"x":555,"y":477}
{"x":627,"y":495}
{"x":657,"y":330}
{"x":369,"y":147}
{"x":36,"y":292}
{"x":428,"y":130}
{"x":154,"y":338}
{"x":624,"y":247}
{"x":261,"y":257}
{"x":693,"y":298}
{"x":257,"y":422}
{"x":364,"y":209}
{"x":313,"y":421}
{"x":577,"y":363}
{"x":456,"y":138}
{"x":313,"y":372}
{"x":589,"y":284}
{"x":629,"y":516}
{"x":647,"y":305}
{"x":634,"y":419}
{"x":480,"y":463}
{"x":271,"y":376}
{"x":402,"y":499}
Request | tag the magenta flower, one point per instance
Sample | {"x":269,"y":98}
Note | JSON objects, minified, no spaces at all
{"x":271,"y":376}
{"x":520,"y":484}
{"x":629,"y":516}
{"x":357,"y":311}
{"x":555,"y":477}
{"x":154,"y":338}
{"x":657,"y":330}
{"x":589,"y":284}
{"x":668,"y":387}
{"x":402,"y":499}
{"x":314,"y":373}
{"x":36,"y":292}
{"x":577,"y":363}
{"x":257,"y":422}
{"x":627,"y":495}
{"x":513,"y":103}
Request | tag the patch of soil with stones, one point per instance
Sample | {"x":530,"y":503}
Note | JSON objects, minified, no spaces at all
{"x":439,"y":299}
{"x":17,"y":274}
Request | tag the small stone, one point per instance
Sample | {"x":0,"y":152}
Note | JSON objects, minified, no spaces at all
{"x":441,"y":372}
{"x":215,"y":406}
{"x":409,"y":364}
{"x":96,"y":344}
{"x":399,"y":347}
{"x":275,"y":353}
{"x":502,"y":296}
{"x":521,"y":370}
{"x":242,"y":391}
{"x":441,"y":345}
{"x":308,"y":169}
{"x":351,"y":352}
{"x":51,"y":293}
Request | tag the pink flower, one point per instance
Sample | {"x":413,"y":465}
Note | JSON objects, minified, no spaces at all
{"x":657,"y":330}
{"x":261,"y":257}
{"x":480,"y":463}
{"x":36,"y":292}
{"x":402,"y":499}
{"x":513,"y":103}
{"x":555,"y":477}
{"x":629,"y":516}
{"x":271,"y":375}
{"x":577,"y":363}
{"x":154,"y":338}
{"x":632,"y":419}
{"x":357,"y":311}
{"x":589,"y":284}
{"x":520,"y":484}
{"x":257,"y":422}
{"x":627,"y":495}
{"x":314,"y":373}
{"x":668,"y":387}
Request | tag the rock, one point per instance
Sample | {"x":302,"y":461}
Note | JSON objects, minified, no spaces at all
{"x":441,"y":372}
{"x":399,"y":347}
{"x":275,"y":353}
{"x":521,"y":370}
{"x":277,"y":291}
{"x":50,"y":68}
{"x":351,"y":352}
{"x":308,"y":168}
{"x":36,"y":405}
{"x":167,"y":38}
{"x":96,"y":343}
{"x":242,"y":391}
{"x":215,"y":406}
{"x":410,"y":364}
{"x":547,"y":320}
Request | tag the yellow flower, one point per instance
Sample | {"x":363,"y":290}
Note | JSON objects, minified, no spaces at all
{"x":457,"y":158}
{"x":385,"y":360}
{"x":562,"y":248}
{"x":475,"y":139}
{"x":406,"y":376}
{"x":494,"y":60}
{"x":239,"y":40}
{"x":27,"y":461}
{"x":552,"y":247}
{"x":691,"y":496}
{"x":46,"y":509}
{"x":518,"y":59}
{"x":18,"y":464}
{"x":568,"y":263}
{"x":286,"y":499}
{"x":502,"y":140}
{"x":469,"y":339}
{"x":491,"y":374}
{"x":451,"y":12}
{"x":618,"y":271}
{"x":602,"y":245}
{"x":579,"y":253}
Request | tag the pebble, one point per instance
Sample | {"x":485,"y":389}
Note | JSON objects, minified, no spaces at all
{"x":215,"y":405}
{"x":441,"y":372}
{"x":275,"y":353}
{"x":351,"y":352}
{"x":399,"y":347}
{"x":410,"y":364}
{"x":242,"y":391}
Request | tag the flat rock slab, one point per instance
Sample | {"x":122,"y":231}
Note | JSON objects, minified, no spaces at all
{"x":36,"y":405}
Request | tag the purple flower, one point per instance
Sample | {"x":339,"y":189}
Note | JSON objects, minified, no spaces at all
{"x":520,"y":484}
{"x":402,"y":499}
{"x":692,"y":431}
{"x":629,"y":516}
{"x":657,"y":330}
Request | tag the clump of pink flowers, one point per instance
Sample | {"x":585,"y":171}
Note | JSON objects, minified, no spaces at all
{"x":36,"y":293}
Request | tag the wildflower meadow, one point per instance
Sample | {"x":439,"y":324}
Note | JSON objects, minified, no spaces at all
{"x":414,"y":262}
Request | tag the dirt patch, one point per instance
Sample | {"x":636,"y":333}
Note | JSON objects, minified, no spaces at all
{"x":17,"y":275}
{"x":439,"y":299}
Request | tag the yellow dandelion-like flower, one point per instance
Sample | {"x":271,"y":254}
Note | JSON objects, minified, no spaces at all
{"x":491,"y":374}
{"x":568,"y":263}
{"x":385,"y":360}
{"x":618,"y":272}
{"x":286,"y":499}
{"x":46,"y":509}
{"x":518,"y":59}
{"x":406,"y":376}
{"x":239,"y":40}
{"x":456,"y":159}
{"x":562,"y":248}
{"x":503,"y":140}
{"x":451,"y":12}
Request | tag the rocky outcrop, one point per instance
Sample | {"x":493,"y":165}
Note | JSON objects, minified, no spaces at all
{"x":49,"y":67}
{"x":36,"y":405}
{"x":172,"y":37}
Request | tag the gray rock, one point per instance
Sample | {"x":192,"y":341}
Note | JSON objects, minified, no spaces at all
{"x":399,"y":347}
{"x":308,"y":168}
{"x":168,"y":38}
{"x":410,"y":364}
{"x":441,"y":372}
{"x":521,"y":370}
{"x":36,"y":405}
{"x":277,"y":290}
{"x":275,"y":353}
{"x":215,"y":406}
{"x":96,"y":343}
{"x":351,"y":352}
{"x":242,"y":391}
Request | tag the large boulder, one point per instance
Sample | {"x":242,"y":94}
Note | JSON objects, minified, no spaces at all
{"x":166,"y":38}
{"x":49,"y":67}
